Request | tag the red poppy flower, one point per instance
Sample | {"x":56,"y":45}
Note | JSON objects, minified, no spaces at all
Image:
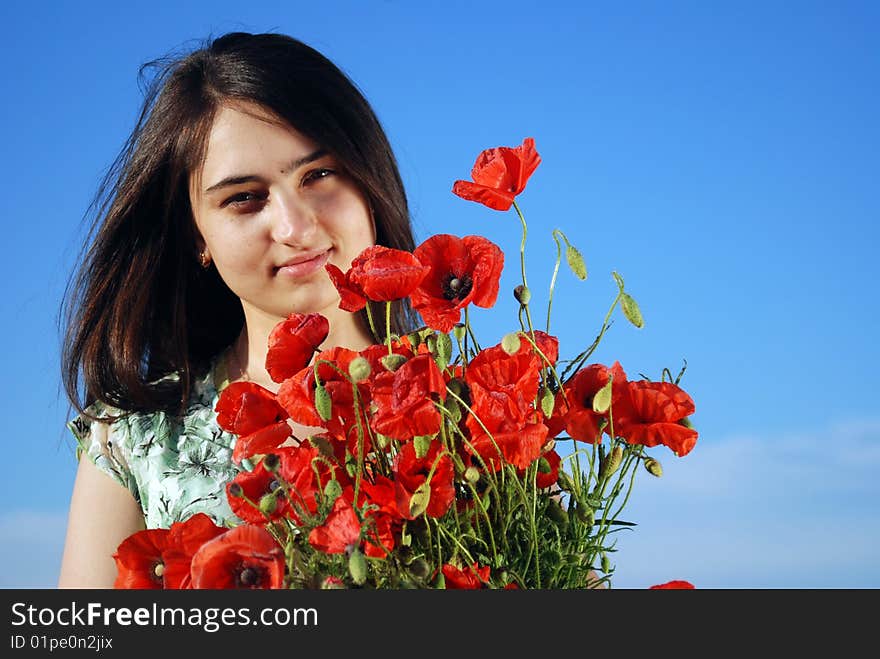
{"x":139,"y":561}
{"x":499,"y":175}
{"x":261,"y":441}
{"x":292,"y":343}
{"x":405,"y":399}
{"x":384,"y":519}
{"x":306,"y":475}
{"x":340,"y":531}
{"x":462,"y":271}
{"x":184,"y":540}
{"x":520,"y":443}
{"x":411,"y":472}
{"x":254,"y":486}
{"x":245,"y":407}
{"x":297,"y":394}
{"x":674,"y":585}
{"x":652,"y":413}
{"x":243,"y":557}
{"x":503,"y":387}
{"x":471,"y":577}
{"x":575,"y":406}
{"x":380,"y":274}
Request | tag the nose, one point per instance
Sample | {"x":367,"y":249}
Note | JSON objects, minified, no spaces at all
{"x":293,"y":221}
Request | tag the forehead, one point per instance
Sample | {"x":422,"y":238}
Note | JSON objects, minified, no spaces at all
{"x":246,"y":139}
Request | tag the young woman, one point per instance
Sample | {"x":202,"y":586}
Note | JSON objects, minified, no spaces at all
{"x":254,"y":163}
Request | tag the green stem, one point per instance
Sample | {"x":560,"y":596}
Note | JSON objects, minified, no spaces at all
{"x":553,"y":278}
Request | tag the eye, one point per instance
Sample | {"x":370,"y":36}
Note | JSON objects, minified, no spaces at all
{"x":245,"y":202}
{"x":315,"y":175}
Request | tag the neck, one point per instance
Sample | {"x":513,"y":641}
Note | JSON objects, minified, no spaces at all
{"x":248,"y":360}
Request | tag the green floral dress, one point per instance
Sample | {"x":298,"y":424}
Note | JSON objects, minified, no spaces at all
{"x":174,"y":467}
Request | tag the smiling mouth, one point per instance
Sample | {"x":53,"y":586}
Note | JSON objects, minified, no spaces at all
{"x":304,"y":267}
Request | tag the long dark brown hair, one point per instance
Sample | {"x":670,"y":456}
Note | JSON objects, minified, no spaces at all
{"x":140,"y":307}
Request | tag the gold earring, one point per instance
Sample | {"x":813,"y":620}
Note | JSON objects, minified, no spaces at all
{"x":204,"y":259}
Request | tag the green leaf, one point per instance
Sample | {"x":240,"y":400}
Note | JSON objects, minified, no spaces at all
{"x":418,"y":503}
{"x":631,"y":310}
{"x":576,"y":262}
{"x":422,"y":443}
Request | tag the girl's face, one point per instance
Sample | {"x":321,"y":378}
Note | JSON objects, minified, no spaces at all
{"x":272,"y":208}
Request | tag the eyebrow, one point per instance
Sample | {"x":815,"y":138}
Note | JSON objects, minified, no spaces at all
{"x":238,"y":179}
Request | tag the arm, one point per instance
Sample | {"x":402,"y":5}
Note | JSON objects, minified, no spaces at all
{"x":102,"y":514}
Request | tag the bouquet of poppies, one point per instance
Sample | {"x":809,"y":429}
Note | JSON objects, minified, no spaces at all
{"x":441,"y":463}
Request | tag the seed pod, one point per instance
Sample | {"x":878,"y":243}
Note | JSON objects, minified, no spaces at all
{"x":459,"y":330}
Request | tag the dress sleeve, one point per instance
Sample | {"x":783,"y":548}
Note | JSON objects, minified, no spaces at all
{"x":105,"y":444}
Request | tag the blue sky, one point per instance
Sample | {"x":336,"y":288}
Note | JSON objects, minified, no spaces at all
{"x":722,"y":157}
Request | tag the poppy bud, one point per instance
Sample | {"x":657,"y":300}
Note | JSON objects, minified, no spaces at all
{"x":268,"y":504}
{"x":420,"y":499}
{"x":602,"y":399}
{"x":631,"y":310}
{"x":611,"y":462}
{"x":548,"y":401}
{"x":332,"y":491}
{"x":522,"y":294}
{"x":442,"y":350}
{"x":359,"y":369}
{"x":511,"y":343}
{"x":584,"y":514}
{"x":393,"y":361}
{"x":556,"y":513}
{"x":459,"y":330}
{"x":606,"y":563}
{"x":653,"y":467}
{"x":323,"y":403}
{"x":440,"y":581}
{"x":544,"y":466}
{"x":576,"y":262}
{"x":357,"y":567}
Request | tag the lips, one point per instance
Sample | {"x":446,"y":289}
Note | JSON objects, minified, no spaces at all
{"x":304,"y":264}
